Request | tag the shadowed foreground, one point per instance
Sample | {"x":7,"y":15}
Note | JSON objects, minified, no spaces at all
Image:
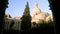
{"x":11,"y":32}
{"x":43,"y":28}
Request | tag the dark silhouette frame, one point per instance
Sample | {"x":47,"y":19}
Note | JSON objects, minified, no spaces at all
{"x":54,"y":6}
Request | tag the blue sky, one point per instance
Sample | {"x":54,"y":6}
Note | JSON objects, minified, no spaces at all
{"x":16,"y":7}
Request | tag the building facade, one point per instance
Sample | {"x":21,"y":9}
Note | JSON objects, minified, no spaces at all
{"x":37,"y":17}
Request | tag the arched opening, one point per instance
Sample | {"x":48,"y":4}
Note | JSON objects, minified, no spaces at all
{"x":3,"y":12}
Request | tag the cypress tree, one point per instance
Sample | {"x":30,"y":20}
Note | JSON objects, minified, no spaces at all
{"x":26,"y":19}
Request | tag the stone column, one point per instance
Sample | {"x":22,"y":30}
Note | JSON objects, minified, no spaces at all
{"x":54,"y":6}
{"x":3,"y":6}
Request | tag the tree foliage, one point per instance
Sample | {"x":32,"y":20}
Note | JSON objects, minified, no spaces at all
{"x":26,"y":19}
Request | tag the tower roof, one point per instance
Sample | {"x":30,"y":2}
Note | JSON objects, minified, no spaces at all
{"x":35,"y":5}
{"x":35,"y":10}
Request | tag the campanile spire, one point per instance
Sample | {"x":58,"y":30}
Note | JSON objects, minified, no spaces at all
{"x":35,"y":5}
{"x":36,"y":9}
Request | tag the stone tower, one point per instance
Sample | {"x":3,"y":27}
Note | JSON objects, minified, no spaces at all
{"x":35,"y":10}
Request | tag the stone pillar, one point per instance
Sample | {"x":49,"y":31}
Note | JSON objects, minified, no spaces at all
{"x":54,"y":6}
{"x":3,"y":6}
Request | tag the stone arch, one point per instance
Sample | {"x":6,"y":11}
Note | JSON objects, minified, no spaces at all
{"x":54,"y":7}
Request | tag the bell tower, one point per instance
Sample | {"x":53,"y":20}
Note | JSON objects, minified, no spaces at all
{"x":35,"y":10}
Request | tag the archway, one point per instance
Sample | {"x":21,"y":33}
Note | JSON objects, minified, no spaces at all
{"x":3,"y":6}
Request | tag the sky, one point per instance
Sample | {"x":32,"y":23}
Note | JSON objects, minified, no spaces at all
{"x":16,"y":7}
